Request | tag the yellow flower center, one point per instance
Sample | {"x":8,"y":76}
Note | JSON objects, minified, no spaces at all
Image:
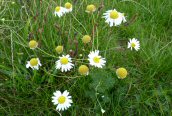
{"x":64,"y":60}
{"x":114,"y":15}
{"x":96,"y":59}
{"x":57,"y":9}
{"x":33,"y":44}
{"x":33,"y":62}
{"x":133,"y":45}
{"x":59,"y":49}
{"x":61,"y":99}
{"x":91,"y":8}
{"x":68,"y":5}
{"x":86,"y":39}
{"x":121,"y":73}
{"x":83,"y":70}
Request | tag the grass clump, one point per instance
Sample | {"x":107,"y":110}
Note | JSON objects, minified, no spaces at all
{"x":146,"y":89}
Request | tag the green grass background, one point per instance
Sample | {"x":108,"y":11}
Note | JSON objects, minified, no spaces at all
{"x":146,"y":91}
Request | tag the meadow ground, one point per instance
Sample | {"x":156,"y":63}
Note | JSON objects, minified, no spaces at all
{"x":147,"y":90}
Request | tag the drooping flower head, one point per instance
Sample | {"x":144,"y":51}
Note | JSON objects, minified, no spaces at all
{"x":59,"y":11}
{"x":64,"y":63}
{"x":90,"y":8}
{"x":134,"y":44}
{"x":114,"y":18}
{"x":62,"y":100}
{"x":34,"y":63}
{"x":121,"y":73}
{"x":96,"y":60}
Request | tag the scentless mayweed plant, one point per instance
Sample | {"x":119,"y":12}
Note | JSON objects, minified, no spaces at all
{"x":85,"y":58}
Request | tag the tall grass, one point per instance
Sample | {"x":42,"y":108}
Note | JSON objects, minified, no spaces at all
{"x":147,"y":89}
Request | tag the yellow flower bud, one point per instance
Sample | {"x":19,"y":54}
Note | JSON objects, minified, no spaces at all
{"x":59,"y":49}
{"x":90,"y":8}
{"x":33,"y":44}
{"x":121,"y":73}
{"x":83,"y":70}
{"x":86,"y":39}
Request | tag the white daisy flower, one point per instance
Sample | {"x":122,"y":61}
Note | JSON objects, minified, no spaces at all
{"x":96,"y":60}
{"x":114,"y":18}
{"x":62,"y":100}
{"x":68,"y":7}
{"x":34,"y":63}
{"x":64,"y":63}
{"x":134,"y":43}
{"x":59,"y":11}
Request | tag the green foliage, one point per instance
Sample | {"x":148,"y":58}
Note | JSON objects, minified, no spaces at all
{"x":102,"y":82}
{"x":146,"y":90}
